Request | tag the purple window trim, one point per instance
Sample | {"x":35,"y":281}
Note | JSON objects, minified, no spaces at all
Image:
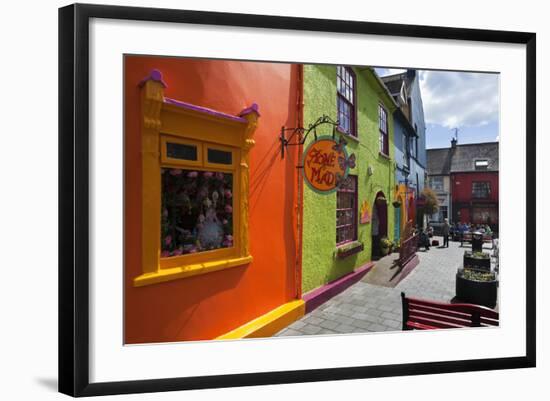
{"x":351,"y":103}
{"x":154,"y":75}
{"x":384,"y":134}
{"x":204,"y":110}
{"x":353,"y":209}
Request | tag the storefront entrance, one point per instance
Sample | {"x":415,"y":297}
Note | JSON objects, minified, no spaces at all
{"x":379,"y":222}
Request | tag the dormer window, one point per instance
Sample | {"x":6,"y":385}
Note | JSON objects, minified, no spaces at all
{"x":481,"y":164}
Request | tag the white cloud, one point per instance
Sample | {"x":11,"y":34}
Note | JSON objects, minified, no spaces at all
{"x":459,"y":99}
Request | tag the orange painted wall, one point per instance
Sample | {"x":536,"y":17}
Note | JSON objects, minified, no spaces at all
{"x":206,"y":306}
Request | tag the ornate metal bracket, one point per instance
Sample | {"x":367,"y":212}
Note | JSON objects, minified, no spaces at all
{"x":296,"y":132}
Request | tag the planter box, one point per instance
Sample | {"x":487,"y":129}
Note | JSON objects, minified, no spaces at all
{"x":349,"y":250}
{"x":477,"y":263}
{"x":476,"y":292}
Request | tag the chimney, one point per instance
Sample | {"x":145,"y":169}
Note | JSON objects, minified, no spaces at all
{"x":453,"y":143}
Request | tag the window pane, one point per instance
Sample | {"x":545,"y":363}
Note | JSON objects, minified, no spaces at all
{"x":346,"y":215}
{"x":220,"y":156}
{"x":181,"y":151}
{"x":197,"y":211}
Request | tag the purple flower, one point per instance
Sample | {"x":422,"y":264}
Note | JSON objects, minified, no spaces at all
{"x":224,"y":221}
{"x":228,"y":209}
{"x":219,"y":176}
{"x":228,"y":194}
{"x":207,"y":174}
{"x":192,"y":174}
{"x":165,"y":254}
{"x":165,"y":212}
{"x":177,"y":252}
{"x":168,"y":240}
{"x":175,"y":171}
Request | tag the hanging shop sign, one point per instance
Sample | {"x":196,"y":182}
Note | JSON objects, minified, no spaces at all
{"x":326,"y":164}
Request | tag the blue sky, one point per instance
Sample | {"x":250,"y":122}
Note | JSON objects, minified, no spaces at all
{"x":464,"y":100}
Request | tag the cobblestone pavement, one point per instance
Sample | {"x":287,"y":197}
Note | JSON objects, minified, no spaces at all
{"x":365,"y":307}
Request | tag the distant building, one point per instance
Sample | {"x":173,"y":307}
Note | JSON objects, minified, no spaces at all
{"x":410,"y":143}
{"x":465,"y":178}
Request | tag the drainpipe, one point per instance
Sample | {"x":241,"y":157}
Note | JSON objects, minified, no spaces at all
{"x":300,"y":182}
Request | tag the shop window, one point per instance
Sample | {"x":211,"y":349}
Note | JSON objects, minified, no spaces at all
{"x":345,"y":85}
{"x":197,"y":211}
{"x":481,"y":190}
{"x":346,"y":211}
{"x":195,"y":188}
{"x":383,"y":127}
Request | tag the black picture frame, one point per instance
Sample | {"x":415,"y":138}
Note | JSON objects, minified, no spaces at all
{"x":74,"y":193}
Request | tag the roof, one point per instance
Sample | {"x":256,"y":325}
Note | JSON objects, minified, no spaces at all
{"x":439,"y":161}
{"x":394,"y":82}
{"x":462,"y":158}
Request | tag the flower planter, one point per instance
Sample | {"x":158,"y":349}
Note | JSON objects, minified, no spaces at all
{"x":477,"y":260}
{"x":349,"y":250}
{"x":476,"y":292}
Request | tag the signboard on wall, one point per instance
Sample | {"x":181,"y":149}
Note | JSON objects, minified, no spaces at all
{"x":326,"y":164}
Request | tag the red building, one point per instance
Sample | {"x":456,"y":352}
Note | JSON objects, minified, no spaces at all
{"x":473,"y":176}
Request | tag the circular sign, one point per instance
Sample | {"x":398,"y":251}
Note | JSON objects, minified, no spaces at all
{"x":325,"y":164}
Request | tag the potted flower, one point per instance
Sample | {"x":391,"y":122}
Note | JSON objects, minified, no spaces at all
{"x":381,"y":200}
{"x":385,"y":246}
{"x":477,"y":260}
{"x":477,"y":287}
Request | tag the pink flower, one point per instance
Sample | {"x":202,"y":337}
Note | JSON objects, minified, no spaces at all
{"x":165,"y":254}
{"x":224,"y":221}
{"x":228,"y":194}
{"x":168,"y":240}
{"x":219,"y":176}
{"x":192,"y":174}
{"x":177,"y":252}
{"x":175,"y":171}
{"x":207,"y":174}
{"x":228,"y":209}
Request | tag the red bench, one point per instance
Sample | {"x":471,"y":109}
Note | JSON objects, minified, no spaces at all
{"x":421,"y":314}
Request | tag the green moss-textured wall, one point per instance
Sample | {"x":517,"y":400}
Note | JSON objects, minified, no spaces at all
{"x":319,"y":265}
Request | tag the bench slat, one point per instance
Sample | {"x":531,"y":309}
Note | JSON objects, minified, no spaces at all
{"x":463,"y":308}
{"x":440,"y":317}
{"x":426,"y":315}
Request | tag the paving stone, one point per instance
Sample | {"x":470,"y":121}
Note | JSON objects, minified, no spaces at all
{"x":392,"y":323}
{"x":344,"y":328}
{"x":297,"y":325}
{"x":390,"y":315}
{"x":290,"y":332}
{"x":311,"y":319}
{"x":310,"y":329}
{"x":329,"y":324}
{"x":343,"y":319}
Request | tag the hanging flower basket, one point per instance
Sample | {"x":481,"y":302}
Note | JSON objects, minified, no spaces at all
{"x":381,"y":200}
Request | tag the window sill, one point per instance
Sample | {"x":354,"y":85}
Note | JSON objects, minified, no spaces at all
{"x":351,"y":248}
{"x":383,"y":155}
{"x":347,"y":135}
{"x":174,"y":273}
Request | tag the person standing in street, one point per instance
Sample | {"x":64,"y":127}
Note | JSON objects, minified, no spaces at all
{"x":446,"y":228}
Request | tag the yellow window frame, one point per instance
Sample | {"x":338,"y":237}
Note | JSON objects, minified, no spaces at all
{"x":163,"y":123}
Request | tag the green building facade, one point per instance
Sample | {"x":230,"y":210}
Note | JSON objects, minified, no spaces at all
{"x":322,"y":261}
